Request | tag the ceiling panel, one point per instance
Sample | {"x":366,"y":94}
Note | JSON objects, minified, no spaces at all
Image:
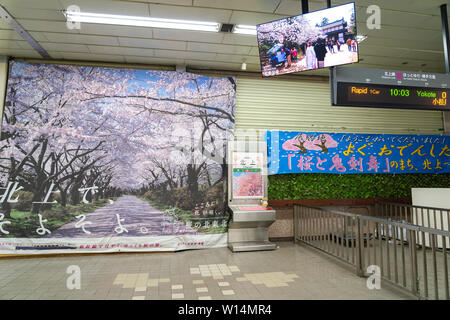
{"x":150,"y":43}
{"x":11,"y":44}
{"x":173,"y":2}
{"x":244,"y":40}
{"x":172,"y":54}
{"x":110,"y":7}
{"x":430,"y":7}
{"x":254,"y":51}
{"x":92,"y":57}
{"x":243,"y":5}
{"x":120,"y":51}
{"x":183,"y":35}
{"x":111,"y":30}
{"x":19,"y":53}
{"x":253,"y":18}
{"x":38,"y":4}
{"x":237,"y":58}
{"x":82,"y":39}
{"x":189,"y":13}
{"x":218,"y":48}
{"x":66,"y":47}
{"x":44,"y":25}
{"x":216,"y":65}
{"x":152,"y":60}
{"x":410,"y":32}
{"x":9,"y":35}
{"x":36,"y":14}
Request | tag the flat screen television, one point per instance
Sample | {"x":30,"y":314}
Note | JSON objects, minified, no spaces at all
{"x":314,"y":40}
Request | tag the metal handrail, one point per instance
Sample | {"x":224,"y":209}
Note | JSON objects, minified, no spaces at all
{"x":366,"y":240}
{"x":418,"y":213}
{"x":414,"y":206}
{"x":406,"y":225}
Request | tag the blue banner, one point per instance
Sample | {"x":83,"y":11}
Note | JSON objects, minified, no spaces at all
{"x":342,"y":153}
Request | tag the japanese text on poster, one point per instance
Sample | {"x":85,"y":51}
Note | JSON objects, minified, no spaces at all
{"x":342,"y":153}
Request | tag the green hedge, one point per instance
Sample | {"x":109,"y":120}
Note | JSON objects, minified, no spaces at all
{"x":350,"y":186}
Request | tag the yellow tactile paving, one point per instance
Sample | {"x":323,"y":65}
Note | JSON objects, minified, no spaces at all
{"x":152,"y":282}
{"x":228,"y":292}
{"x":130,"y":281}
{"x":217,"y":271}
{"x":141,"y":280}
{"x":177,"y":295}
{"x":269,"y":279}
{"x":120,"y":278}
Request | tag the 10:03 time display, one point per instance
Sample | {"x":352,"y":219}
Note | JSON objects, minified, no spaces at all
{"x":392,"y":96}
{"x":399,"y":92}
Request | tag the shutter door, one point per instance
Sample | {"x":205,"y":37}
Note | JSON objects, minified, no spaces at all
{"x":304,"y":105}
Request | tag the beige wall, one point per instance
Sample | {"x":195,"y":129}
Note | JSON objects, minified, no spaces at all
{"x":446,"y":118}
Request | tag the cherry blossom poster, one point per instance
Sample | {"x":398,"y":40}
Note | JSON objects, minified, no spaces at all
{"x":248,"y":182}
{"x":349,"y":153}
{"x":103,"y":160}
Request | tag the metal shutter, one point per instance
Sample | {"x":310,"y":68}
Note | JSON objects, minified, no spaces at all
{"x":304,"y":105}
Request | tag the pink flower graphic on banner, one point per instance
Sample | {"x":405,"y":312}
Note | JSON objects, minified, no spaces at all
{"x":248,"y":184}
{"x":304,"y":142}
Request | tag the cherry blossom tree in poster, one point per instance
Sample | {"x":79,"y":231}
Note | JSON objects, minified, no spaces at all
{"x":101,"y":159}
{"x":248,"y":180}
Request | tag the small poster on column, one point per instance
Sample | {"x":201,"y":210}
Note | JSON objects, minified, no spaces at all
{"x":248,"y":180}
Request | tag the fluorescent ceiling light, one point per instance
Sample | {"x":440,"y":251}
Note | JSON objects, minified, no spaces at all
{"x":245,"y":29}
{"x":74,"y":16}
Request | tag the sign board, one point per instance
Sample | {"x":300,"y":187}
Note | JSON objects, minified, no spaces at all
{"x":350,"y":153}
{"x":248,"y":182}
{"x":362,"y":87}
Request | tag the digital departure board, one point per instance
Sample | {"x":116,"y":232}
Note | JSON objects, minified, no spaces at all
{"x":362,"y":87}
{"x":375,"y":95}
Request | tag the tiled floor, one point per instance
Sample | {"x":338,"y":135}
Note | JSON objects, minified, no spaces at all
{"x":290,"y":272}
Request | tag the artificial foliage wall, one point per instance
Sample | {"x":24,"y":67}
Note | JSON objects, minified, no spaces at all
{"x":355,"y":186}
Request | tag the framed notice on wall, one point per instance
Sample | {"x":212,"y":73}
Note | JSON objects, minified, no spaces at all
{"x":248,"y":182}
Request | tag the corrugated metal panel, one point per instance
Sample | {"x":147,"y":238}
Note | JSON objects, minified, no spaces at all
{"x":304,"y":105}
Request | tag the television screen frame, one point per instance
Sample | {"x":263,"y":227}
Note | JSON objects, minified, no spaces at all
{"x":276,"y":72}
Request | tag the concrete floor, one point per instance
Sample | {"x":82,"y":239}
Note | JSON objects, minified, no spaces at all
{"x":291,"y":272}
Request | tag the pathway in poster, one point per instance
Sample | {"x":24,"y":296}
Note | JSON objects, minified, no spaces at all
{"x":138,"y":217}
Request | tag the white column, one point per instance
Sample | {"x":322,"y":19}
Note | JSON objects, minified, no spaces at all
{"x":3,"y":78}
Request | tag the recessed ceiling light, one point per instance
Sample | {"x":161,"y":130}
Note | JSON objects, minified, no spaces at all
{"x":245,"y":29}
{"x":86,"y":17}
